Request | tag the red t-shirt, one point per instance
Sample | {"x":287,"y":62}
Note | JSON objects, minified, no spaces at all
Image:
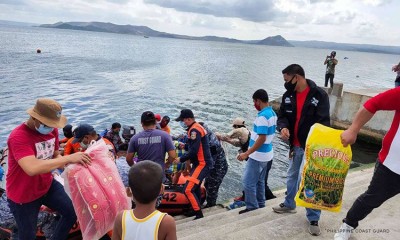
{"x":300,"y":99}
{"x":390,"y":152}
{"x":23,"y":142}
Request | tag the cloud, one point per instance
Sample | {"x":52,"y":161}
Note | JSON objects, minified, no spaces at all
{"x":377,"y":3}
{"x":118,"y":1}
{"x":336,"y":18}
{"x":12,"y":2}
{"x":255,"y":10}
{"x":320,"y":1}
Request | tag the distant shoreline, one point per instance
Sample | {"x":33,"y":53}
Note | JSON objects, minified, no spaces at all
{"x":270,"y":41}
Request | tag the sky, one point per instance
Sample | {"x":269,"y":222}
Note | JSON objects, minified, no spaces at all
{"x":344,"y":21}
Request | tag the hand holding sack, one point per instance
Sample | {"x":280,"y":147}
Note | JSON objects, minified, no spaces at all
{"x":96,"y":191}
{"x":325,"y":169}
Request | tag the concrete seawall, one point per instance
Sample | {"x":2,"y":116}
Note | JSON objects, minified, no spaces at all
{"x":345,"y":104}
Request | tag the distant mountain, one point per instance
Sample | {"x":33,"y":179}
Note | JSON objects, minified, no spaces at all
{"x":272,"y":41}
{"x":275,"y":41}
{"x":148,"y":32}
{"x":347,"y":46}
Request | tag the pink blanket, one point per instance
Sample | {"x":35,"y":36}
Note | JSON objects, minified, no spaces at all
{"x":97,"y":192}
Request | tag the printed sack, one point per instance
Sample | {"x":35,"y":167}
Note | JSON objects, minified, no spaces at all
{"x":326,"y":165}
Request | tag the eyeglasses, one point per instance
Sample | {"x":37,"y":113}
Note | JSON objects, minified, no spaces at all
{"x":290,"y":79}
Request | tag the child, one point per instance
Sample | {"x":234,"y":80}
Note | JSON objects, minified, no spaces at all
{"x":175,"y":170}
{"x":145,"y":181}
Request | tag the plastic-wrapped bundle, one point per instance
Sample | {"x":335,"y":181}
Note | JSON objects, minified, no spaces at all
{"x":97,"y":192}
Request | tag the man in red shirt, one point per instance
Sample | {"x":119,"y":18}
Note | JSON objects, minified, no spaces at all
{"x":385,"y":182}
{"x":33,"y":155}
{"x":303,"y":104}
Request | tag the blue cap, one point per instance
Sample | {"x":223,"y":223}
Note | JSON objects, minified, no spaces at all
{"x":81,"y":131}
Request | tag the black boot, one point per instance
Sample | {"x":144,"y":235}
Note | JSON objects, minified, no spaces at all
{"x":199,"y":214}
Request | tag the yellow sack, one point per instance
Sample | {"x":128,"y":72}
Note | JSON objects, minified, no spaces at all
{"x":325,"y":168}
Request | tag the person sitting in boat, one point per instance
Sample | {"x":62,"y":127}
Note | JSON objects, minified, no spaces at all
{"x":85,"y":134}
{"x":164,"y":124}
{"x":145,"y":222}
{"x":174,"y":171}
{"x":113,"y":135}
{"x":158,"y":120}
{"x":67,"y":130}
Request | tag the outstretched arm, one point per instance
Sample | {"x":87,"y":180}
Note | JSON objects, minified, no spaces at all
{"x":33,"y":166}
{"x":350,"y":135}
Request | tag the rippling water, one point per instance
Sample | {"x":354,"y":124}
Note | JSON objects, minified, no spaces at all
{"x":100,"y":78}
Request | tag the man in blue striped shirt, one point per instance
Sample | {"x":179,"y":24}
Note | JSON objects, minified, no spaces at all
{"x":260,"y":153}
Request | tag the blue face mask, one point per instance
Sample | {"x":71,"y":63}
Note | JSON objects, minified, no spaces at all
{"x":183,"y":125}
{"x":42,"y":129}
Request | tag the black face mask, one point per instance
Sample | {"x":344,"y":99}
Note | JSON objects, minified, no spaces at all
{"x":290,"y":86}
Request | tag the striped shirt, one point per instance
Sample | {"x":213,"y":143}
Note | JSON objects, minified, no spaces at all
{"x":265,"y":124}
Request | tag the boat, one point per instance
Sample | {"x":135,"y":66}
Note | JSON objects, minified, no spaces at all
{"x":174,"y":201}
{"x":146,"y":36}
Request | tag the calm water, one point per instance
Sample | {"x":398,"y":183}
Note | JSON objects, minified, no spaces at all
{"x":100,"y":78}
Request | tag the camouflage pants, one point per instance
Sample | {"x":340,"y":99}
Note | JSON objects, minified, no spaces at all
{"x":214,"y":180}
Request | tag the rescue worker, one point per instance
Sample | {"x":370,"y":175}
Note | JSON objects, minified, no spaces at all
{"x":200,"y":158}
{"x":217,"y":174}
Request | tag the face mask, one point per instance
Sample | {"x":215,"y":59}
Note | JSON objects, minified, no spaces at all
{"x":116,"y":132}
{"x":290,"y":86}
{"x":257,"y":107}
{"x":183,"y":125}
{"x":42,"y":129}
{"x":83,"y":146}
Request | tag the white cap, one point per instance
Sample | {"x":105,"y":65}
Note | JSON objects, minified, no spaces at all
{"x":238,"y":121}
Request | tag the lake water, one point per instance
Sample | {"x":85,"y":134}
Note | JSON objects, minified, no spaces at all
{"x":100,"y":78}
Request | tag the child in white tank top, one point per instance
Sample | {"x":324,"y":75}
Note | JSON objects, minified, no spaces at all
{"x":145,"y":222}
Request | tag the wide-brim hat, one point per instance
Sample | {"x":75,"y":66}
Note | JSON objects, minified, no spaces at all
{"x":48,"y":112}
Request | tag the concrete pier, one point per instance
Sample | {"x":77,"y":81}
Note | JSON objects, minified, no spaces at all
{"x":263,"y":223}
{"x":345,"y":104}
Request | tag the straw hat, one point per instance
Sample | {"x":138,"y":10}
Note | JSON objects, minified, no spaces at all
{"x":48,"y":112}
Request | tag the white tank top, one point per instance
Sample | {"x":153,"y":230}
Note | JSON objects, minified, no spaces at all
{"x":145,"y":228}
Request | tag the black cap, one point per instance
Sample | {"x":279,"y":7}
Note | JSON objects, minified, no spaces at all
{"x":148,"y":116}
{"x":185,"y":113}
{"x":81,"y":131}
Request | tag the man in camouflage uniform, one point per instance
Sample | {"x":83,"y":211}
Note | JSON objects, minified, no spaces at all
{"x":240,"y":137}
{"x":217,"y":174}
